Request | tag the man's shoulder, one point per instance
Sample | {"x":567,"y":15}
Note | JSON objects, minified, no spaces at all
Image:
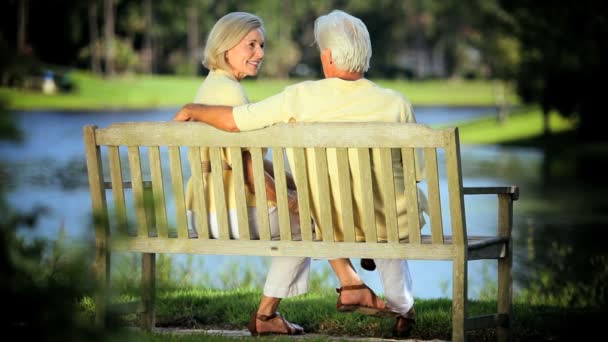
{"x":392,"y":93}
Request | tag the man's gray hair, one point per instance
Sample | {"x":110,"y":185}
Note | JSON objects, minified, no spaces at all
{"x":228,"y":31}
{"x":348,"y":39}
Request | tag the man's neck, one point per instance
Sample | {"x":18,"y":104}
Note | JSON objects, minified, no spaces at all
{"x":348,"y":75}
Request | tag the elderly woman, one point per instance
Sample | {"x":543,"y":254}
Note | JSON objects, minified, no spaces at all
{"x":235,"y":50}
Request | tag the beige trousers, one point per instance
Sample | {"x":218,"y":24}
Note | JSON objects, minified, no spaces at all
{"x":287,"y":276}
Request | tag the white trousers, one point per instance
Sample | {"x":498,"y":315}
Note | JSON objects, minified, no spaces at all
{"x":397,"y":283}
{"x":287,"y":276}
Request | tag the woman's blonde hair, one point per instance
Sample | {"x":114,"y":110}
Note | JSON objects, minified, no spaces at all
{"x":348,"y":39}
{"x":225,"y":34}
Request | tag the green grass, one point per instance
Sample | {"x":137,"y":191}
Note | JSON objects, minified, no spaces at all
{"x":522,"y":124}
{"x":157,"y":91}
{"x":198,"y":308}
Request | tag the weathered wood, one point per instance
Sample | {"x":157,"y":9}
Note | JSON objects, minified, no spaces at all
{"x":219,"y":193}
{"x":411,"y":192}
{"x":201,"y":213}
{"x":101,"y":267}
{"x":118,"y":192}
{"x":177,"y":182}
{"x":238,"y":176}
{"x":323,"y":192}
{"x":138,"y":190}
{"x":278,"y":163}
{"x":345,"y":197}
{"x":368,"y":216}
{"x":337,"y":163}
{"x":158,"y":191}
{"x":261,"y":201}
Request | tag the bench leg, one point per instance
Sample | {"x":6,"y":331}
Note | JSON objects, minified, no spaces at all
{"x":101,"y":271}
{"x":459,"y":297}
{"x":148,"y":282}
{"x":505,"y":265}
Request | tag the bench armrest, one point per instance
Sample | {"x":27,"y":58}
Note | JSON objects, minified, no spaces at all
{"x":512,"y":190}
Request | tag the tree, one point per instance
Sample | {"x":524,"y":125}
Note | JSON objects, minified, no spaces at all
{"x":563,"y":49}
{"x":108,"y":32}
{"x":94,"y":36}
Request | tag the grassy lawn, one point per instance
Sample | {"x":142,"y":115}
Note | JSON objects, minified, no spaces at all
{"x":197,"y":308}
{"x":157,"y":91}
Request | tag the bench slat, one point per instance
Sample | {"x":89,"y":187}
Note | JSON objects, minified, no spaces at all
{"x":457,"y":213}
{"x":118,"y":193}
{"x":158,"y":191}
{"x":261,"y":201}
{"x":411,"y":194}
{"x":197,"y":178}
{"x":385,"y":169}
{"x":366,"y":192}
{"x":236,"y":157}
{"x":138,"y":190}
{"x":177,"y":182}
{"x":323,"y":192}
{"x":343,"y":134}
{"x":434,"y":197}
{"x":278,"y":163}
{"x":298,"y":168}
{"x":219,"y":193}
{"x":345,"y":197}
{"x":320,"y":249}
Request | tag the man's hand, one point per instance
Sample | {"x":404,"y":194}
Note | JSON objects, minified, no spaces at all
{"x":184,"y":114}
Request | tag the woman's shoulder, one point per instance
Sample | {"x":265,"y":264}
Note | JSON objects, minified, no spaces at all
{"x":219,"y":89}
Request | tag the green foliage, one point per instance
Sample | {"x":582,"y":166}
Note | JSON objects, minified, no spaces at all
{"x":563,"y":58}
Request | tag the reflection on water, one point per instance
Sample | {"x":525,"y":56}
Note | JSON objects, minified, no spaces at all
{"x":560,"y":220}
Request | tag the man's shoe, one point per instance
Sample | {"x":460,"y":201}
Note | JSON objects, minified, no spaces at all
{"x":274,"y":324}
{"x":405,"y":324}
{"x":368,"y":264}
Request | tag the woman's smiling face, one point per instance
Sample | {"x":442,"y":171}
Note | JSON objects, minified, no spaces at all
{"x":245,"y":58}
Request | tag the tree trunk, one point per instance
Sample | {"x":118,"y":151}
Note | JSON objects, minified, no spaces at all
{"x":22,"y":26}
{"x":546,"y":128}
{"x":500,"y":99}
{"x":148,"y":52}
{"x":193,"y":37}
{"x":109,"y":36}
{"x":94,"y":37}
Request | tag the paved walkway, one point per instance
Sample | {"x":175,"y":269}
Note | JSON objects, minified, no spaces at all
{"x":245,"y":333}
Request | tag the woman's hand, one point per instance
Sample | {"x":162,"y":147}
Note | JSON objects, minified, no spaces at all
{"x":292,"y":201}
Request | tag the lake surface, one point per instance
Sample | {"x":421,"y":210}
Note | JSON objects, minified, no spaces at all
{"x":48,"y":170}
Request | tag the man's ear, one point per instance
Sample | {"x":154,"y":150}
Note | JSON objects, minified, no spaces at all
{"x":327,"y":63}
{"x":326,"y":54}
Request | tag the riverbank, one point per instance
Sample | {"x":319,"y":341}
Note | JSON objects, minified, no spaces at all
{"x":91,"y":93}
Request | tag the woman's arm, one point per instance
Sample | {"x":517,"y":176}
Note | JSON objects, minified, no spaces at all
{"x":271,"y":194}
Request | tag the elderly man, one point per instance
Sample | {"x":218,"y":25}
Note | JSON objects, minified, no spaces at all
{"x":344,"y":95}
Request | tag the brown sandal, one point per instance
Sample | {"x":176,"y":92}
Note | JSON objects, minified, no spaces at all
{"x":364,"y":309}
{"x":287,"y":328}
{"x":404,"y":324}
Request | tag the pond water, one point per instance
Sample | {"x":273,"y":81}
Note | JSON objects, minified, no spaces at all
{"x":47,"y":170}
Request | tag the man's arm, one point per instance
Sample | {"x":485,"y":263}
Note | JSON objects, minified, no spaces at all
{"x":217,"y":116}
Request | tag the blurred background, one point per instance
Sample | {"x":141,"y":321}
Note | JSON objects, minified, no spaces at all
{"x":523,"y":81}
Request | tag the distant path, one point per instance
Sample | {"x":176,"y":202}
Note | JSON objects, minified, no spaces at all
{"x":244,"y":333}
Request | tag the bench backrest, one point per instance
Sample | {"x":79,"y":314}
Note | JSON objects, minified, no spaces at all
{"x":107,"y":149}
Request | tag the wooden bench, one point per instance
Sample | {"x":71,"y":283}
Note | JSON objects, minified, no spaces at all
{"x":110,"y":150}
